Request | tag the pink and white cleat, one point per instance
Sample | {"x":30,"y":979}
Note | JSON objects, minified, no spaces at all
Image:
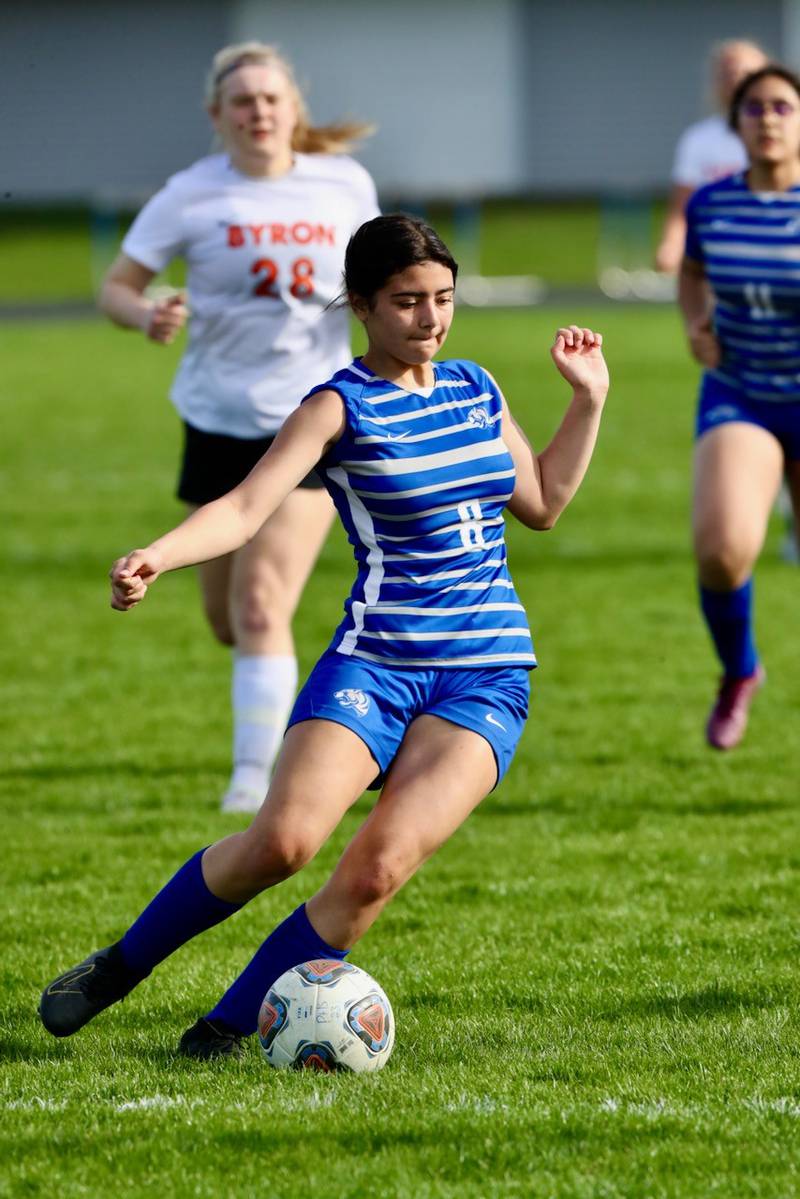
{"x":728,"y":719}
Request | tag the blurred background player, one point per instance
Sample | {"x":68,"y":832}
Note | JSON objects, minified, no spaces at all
{"x":424,"y":688}
{"x":262,"y":227}
{"x":739,"y":291}
{"x":709,"y":149}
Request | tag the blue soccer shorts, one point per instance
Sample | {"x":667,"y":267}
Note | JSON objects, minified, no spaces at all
{"x":379,"y":703}
{"x":720,"y":404}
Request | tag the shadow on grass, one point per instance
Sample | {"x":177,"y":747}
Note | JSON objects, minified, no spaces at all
{"x":269,"y":1141}
{"x":129,"y":1039}
{"x":55,"y":771}
{"x":729,"y":807}
{"x":711,"y":1001}
{"x":627,"y":815}
{"x":34,"y":1051}
{"x":529,"y":806}
{"x":428,"y":1000}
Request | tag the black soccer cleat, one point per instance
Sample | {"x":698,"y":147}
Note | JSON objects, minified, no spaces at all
{"x":78,"y":995}
{"x":209,"y":1039}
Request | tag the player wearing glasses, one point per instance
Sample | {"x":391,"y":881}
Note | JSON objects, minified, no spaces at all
{"x":739,"y":291}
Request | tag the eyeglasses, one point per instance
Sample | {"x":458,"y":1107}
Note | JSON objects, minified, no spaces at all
{"x":757,"y":108}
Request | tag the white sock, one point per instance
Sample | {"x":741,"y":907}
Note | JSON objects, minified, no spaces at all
{"x":262,"y":693}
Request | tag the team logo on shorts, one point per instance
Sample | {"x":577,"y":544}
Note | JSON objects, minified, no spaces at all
{"x":351,"y":697}
{"x":478,"y":417}
{"x":720,"y":413}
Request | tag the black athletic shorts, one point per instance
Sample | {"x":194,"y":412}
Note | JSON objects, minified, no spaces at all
{"x":213,"y":464}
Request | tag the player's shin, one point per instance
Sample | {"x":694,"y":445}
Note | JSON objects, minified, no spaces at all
{"x":263,"y":690}
{"x":729,"y":618}
{"x":294,"y":941}
{"x":184,"y":907}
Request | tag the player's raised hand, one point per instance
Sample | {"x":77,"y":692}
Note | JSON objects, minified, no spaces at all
{"x":131,"y":576}
{"x":579,"y":357}
{"x":167,"y":317}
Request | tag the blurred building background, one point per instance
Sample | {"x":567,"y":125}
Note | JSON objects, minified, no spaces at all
{"x":537,"y":136}
{"x":471,"y":97}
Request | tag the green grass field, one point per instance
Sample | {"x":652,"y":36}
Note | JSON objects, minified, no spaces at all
{"x":61,"y":255}
{"x":595,"y":980}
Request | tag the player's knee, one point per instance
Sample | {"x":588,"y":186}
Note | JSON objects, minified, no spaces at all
{"x":254,"y":619}
{"x":223,"y":633}
{"x":220,"y":624}
{"x":277,"y":857}
{"x":258,"y":607}
{"x":726,"y":564}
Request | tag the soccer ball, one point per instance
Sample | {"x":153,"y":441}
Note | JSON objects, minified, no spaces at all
{"x":326,"y":1015}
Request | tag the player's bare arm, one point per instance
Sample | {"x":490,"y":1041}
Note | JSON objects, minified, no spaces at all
{"x":673,"y":236}
{"x":230,"y":522}
{"x":122,"y":298}
{"x":696,"y":304}
{"x":546,"y":482}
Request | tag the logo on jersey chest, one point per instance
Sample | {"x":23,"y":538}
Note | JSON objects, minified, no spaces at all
{"x":301,"y":233}
{"x":479,"y":418}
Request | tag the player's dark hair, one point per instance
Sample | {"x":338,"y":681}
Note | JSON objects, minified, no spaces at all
{"x":387,"y":245}
{"x":773,"y":70}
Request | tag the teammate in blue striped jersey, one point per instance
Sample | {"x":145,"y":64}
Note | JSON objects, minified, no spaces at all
{"x":424,"y":689}
{"x":739,"y":291}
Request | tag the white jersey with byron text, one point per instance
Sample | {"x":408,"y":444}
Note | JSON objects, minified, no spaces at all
{"x":707,"y":151}
{"x":264,"y":259}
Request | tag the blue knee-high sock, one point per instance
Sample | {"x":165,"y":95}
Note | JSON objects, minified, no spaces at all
{"x":290,"y":943}
{"x":729,"y":616}
{"x":183,"y":908}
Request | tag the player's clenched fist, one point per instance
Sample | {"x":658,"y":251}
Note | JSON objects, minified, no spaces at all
{"x":166,"y":318}
{"x":131,"y":576}
{"x":579,"y":357}
{"x":703,"y":342}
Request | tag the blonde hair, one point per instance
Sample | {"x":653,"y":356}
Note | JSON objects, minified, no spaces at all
{"x":306,"y":138}
{"x":718,"y":95}
{"x":719,"y":50}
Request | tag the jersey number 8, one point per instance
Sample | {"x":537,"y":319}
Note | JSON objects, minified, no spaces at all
{"x":469,"y":513}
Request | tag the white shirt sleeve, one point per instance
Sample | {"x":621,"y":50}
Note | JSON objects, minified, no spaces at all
{"x":156,"y":235}
{"x":706,"y":151}
{"x":364,"y":189}
{"x":687,"y":169}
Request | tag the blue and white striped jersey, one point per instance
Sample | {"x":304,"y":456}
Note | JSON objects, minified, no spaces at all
{"x":749,"y":245}
{"x":420,"y":482}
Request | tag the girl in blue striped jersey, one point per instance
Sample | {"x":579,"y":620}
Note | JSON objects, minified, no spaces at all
{"x":739,"y":291}
{"x":424,"y":688}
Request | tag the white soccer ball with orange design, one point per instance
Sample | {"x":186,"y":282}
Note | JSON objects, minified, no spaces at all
{"x":326,"y":1015}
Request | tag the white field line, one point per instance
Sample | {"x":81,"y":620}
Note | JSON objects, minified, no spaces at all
{"x":160,"y":1103}
{"x":479,"y":1105}
{"x":662,"y":1108}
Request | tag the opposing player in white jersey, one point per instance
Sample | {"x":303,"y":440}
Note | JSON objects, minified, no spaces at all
{"x":709,"y":149}
{"x":262,"y":227}
{"x":739,"y":292}
{"x":424,"y":690}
